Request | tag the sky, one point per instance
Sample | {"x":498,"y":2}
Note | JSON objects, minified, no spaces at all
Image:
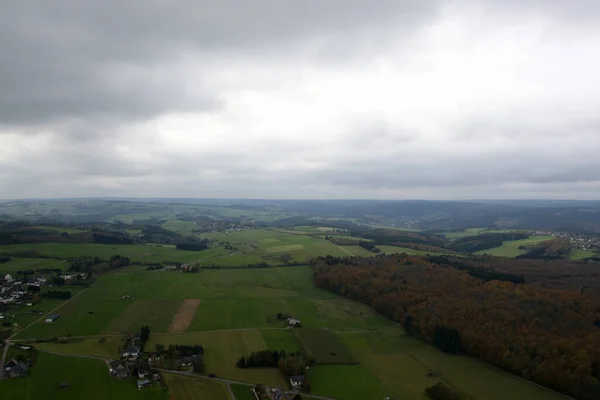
{"x":386,"y":99}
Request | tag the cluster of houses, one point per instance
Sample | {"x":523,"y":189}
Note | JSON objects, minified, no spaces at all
{"x":278,"y":393}
{"x":12,"y":292}
{"x":131,"y":365}
{"x":578,"y":241}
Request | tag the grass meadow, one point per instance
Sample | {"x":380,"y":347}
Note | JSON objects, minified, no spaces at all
{"x":22,"y":263}
{"x":578,"y":254}
{"x":190,"y":388}
{"x":221,"y":351}
{"x":324,"y":346}
{"x":242,"y":392}
{"x":510,"y":248}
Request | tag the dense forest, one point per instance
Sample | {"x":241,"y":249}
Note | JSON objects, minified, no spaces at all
{"x":512,"y":326}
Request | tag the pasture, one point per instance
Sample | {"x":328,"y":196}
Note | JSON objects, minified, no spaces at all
{"x":324,"y":346}
{"x":190,"y":388}
{"x":576,"y":254}
{"x":401,"y":365}
{"x":136,"y":252}
{"x":236,"y":315}
{"x":22,"y":263}
{"x":271,"y":245}
{"x":221,"y":351}
{"x":242,"y":392}
{"x":229,"y":299}
{"x":88,"y":379}
{"x":105,"y":347}
{"x":281,"y":340}
{"x":472,"y":232}
{"x":510,"y":248}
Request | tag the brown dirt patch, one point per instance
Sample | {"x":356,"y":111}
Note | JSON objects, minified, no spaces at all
{"x":184,"y":316}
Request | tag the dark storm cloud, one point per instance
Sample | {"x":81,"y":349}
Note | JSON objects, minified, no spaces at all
{"x":83,"y":59}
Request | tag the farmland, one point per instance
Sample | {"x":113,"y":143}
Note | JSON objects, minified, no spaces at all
{"x":242,"y":392}
{"x":510,"y":248}
{"x":190,"y":388}
{"x":236,"y":315}
{"x":233,"y":312}
{"x":20,"y":263}
{"x":324,"y":346}
{"x":222,"y":349}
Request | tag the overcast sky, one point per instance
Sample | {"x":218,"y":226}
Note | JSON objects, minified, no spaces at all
{"x":389,"y":99}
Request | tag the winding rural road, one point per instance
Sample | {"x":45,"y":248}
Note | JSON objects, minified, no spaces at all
{"x":8,"y":341}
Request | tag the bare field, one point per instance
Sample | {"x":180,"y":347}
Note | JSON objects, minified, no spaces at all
{"x":184,"y":316}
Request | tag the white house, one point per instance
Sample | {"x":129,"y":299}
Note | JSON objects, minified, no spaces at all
{"x":131,"y":351}
{"x":8,"y":278}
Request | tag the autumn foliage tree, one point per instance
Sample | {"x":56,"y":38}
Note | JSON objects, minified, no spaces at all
{"x":542,"y":334}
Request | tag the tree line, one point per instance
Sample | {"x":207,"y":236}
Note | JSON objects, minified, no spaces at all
{"x":541,"y":334}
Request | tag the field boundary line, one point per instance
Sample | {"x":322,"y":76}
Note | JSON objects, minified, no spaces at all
{"x":50,"y":312}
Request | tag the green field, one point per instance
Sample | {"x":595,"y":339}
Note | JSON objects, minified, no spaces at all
{"x":190,"y":388}
{"x":510,"y":248}
{"x":242,"y":392}
{"x":21,"y":263}
{"x":106,"y":348}
{"x":137,"y":253}
{"x":578,"y":254}
{"x":237,"y":315}
{"x":221,"y":351}
{"x":347,"y":382}
{"x":401,"y":364}
{"x":324,"y":346}
{"x":88,"y":379}
{"x":281,"y":340}
{"x":472,"y":232}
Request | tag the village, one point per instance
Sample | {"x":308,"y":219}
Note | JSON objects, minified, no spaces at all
{"x":577,"y":240}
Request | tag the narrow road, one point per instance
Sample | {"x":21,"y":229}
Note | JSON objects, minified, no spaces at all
{"x":228,"y":382}
{"x":230,"y":392}
{"x":8,"y":341}
{"x":49,"y":312}
{"x":157,"y":334}
{"x":342,"y":249}
{"x":6,"y":344}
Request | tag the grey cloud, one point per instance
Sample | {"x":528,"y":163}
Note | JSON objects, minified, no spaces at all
{"x":64,"y":59}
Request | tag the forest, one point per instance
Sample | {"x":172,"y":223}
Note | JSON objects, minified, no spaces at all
{"x":547,"y":335}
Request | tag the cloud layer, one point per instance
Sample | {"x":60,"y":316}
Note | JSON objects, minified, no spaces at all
{"x":406,"y":99}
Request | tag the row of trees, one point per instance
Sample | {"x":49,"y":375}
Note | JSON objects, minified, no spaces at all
{"x":545,"y":335}
{"x":193,"y":246}
{"x":57,"y":294}
{"x":260,"y":359}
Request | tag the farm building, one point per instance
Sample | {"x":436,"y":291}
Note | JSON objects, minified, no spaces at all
{"x":51,"y":318}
